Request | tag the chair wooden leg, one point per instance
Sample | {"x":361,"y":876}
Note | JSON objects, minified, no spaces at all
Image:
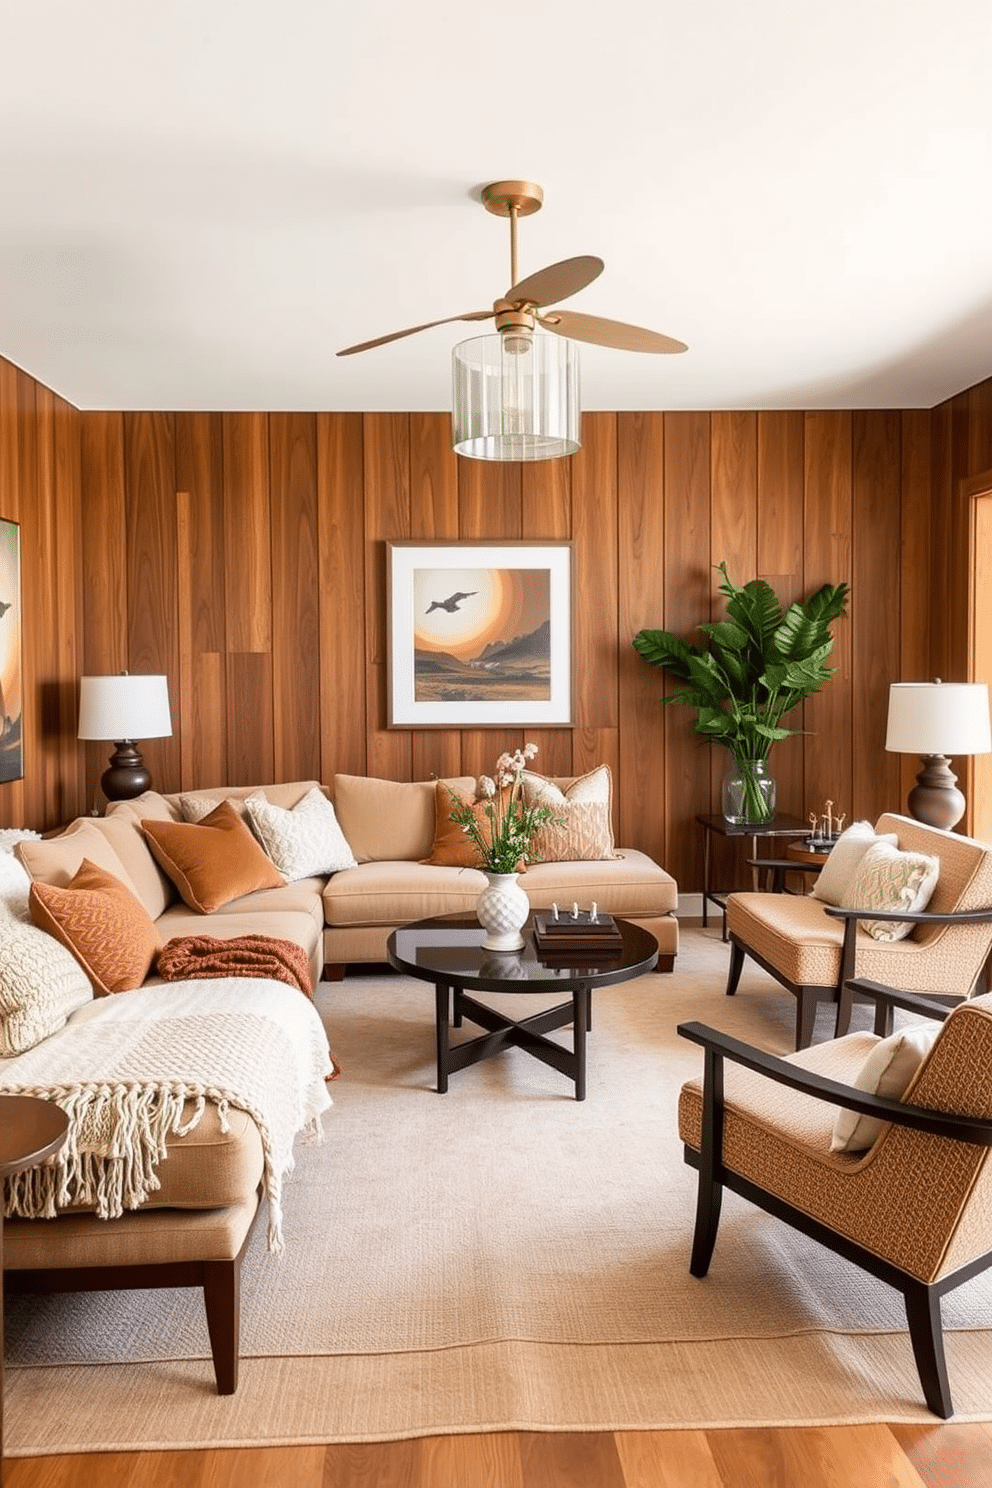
{"x":806,"y":1003}
{"x":709,"y":1197}
{"x":736,"y":967}
{"x":926,"y":1334}
{"x":222,"y":1299}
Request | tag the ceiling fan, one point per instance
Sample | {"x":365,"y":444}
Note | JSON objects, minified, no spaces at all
{"x":523,"y":304}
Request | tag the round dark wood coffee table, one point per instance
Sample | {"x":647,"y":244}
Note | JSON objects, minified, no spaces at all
{"x":448,"y":952}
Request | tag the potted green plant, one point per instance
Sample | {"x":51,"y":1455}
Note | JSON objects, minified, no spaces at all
{"x":755,"y":667}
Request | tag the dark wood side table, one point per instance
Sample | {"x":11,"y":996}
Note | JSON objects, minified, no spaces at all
{"x":781,"y":825}
{"x":30,"y":1130}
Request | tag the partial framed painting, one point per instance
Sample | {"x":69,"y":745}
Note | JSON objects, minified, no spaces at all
{"x":480,"y":634}
{"x":11,"y":676}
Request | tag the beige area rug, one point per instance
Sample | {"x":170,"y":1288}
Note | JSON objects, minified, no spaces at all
{"x":499,"y":1257}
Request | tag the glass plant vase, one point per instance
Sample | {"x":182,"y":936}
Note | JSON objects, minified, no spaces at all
{"x":748,"y":793}
{"x":501,"y":910}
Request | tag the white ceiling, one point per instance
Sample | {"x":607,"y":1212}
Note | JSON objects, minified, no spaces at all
{"x":202,"y":200}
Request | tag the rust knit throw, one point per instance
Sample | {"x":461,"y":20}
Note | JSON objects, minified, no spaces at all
{"x":191,"y":957}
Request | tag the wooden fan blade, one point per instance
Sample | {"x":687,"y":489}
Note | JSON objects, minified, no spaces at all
{"x":556,"y":282}
{"x":412,"y":330}
{"x":608,"y":332}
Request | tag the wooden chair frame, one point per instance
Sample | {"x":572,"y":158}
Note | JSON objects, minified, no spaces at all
{"x":921,"y":1299}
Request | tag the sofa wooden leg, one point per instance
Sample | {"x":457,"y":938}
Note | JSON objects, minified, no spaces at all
{"x":665,"y":963}
{"x":926,"y":1333}
{"x":222,"y":1299}
{"x":333,"y":971}
{"x":736,"y":967}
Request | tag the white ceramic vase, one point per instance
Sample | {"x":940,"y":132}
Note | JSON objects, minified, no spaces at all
{"x":502,"y":908}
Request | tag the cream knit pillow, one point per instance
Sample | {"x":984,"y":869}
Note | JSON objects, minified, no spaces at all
{"x":887,"y":1071}
{"x":41,"y":982}
{"x":844,"y":859}
{"x":891,"y":880}
{"x":304,"y":840}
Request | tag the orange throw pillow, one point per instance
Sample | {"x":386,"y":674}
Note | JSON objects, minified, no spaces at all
{"x":107,"y":929}
{"x":452,"y":848}
{"x":213,"y":861}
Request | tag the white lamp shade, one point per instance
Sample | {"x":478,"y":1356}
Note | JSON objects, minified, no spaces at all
{"x":124,"y":707}
{"x":949,"y":718}
{"x":515,"y":397}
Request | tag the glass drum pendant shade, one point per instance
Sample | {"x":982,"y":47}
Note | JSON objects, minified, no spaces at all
{"x":515,"y":397}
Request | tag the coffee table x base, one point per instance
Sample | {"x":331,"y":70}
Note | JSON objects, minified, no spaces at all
{"x":508,"y":1033}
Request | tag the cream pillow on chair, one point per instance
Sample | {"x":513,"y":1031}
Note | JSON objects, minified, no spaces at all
{"x":887,"y":1071}
{"x":843,"y":860}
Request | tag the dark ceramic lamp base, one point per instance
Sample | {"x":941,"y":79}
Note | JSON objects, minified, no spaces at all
{"x":127,"y":776}
{"x":935,"y":798}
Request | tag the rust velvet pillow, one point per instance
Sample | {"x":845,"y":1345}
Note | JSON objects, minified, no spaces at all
{"x":452,"y":848}
{"x":104,"y":925}
{"x":213,"y":861}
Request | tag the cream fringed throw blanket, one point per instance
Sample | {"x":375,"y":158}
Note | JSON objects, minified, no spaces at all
{"x":124,"y":1067}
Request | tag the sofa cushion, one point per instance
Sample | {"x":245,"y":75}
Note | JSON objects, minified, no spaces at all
{"x":55,"y":860}
{"x":394,"y":893}
{"x":213,"y":861}
{"x":389,"y":820}
{"x":294,"y":924}
{"x":843,"y":860}
{"x":41,"y":982}
{"x":630,"y":884}
{"x":888,"y":879}
{"x":582,"y":827}
{"x":302,"y":840}
{"x":103,"y":924}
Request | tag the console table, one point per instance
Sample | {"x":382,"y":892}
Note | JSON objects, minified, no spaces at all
{"x":30,"y":1130}
{"x":781,"y":825}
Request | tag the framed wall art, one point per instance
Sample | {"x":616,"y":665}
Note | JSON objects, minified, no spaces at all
{"x":480,"y":634}
{"x":11,"y":675}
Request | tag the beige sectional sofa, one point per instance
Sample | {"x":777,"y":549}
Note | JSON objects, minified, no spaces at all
{"x":346,"y":918}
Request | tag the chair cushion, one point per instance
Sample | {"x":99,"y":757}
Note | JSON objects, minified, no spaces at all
{"x":888,"y":1071}
{"x":889,"y":879}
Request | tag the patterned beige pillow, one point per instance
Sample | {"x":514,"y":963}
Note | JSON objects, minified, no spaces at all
{"x":41,"y":983}
{"x":583,"y":829}
{"x":889,"y":879}
{"x":195,"y":807}
{"x":843,"y":859}
{"x":303,"y":841}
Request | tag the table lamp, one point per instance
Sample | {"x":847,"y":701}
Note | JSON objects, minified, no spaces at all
{"x":936,"y":720}
{"x":121,"y":709}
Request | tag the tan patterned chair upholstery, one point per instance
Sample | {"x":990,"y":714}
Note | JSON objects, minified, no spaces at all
{"x":814,"y":949}
{"x":915,"y":1210}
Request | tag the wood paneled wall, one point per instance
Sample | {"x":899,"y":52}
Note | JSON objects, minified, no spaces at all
{"x":243,"y":554}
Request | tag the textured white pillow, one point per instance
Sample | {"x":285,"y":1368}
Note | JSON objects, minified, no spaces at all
{"x":889,"y":879}
{"x":887,"y":1071}
{"x":841,"y":863}
{"x":303,"y":841}
{"x":194,"y":808}
{"x":41,"y":983}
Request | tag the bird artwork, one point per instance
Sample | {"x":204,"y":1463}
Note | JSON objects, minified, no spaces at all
{"x":4,"y":607}
{"x":452,"y":604}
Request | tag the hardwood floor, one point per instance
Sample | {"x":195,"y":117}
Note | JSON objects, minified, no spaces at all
{"x":897,"y":1456}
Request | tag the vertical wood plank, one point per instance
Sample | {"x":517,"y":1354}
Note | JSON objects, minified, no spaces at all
{"x":875,"y":639}
{"x":104,"y":534}
{"x":70,"y":796}
{"x":687,"y":600}
{"x":828,"y":715}
{"x":26,"y":796}
{"x":248,"y":597}
{"x":733,"y":532}
{"x":915,"y":612}
{"x":387,"y":517}
{"x":152,"y":589}
{"x":295,"y":579}
{"x":343,"y":606}
{"x":200,"y":549}
{"x":434,"y":753}
{"x":641,"y":807}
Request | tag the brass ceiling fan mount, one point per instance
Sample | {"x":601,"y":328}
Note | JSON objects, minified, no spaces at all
{"x":518,"y":311}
